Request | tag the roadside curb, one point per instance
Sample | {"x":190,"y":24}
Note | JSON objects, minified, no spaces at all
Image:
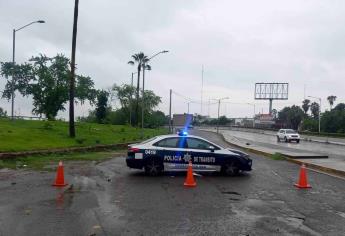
{"x":289,"y":159}
{"x":8,"y":155}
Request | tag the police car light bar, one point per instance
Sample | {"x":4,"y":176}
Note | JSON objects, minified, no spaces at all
{"x":182,"y":133}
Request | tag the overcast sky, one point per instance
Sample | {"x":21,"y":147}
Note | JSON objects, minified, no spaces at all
{"x":238,"y":42}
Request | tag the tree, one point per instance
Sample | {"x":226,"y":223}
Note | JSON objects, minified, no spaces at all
{"x":340,"y":107}
{"x":315,"y":108}
{"x":123,"y":94}
{"x":306,"y":105}
{"x":140,"y":59}
{"x":292,"y":116}
{"x":333,"y":121}
{"x":47,"y":81}
{"x":3,"y":113}
{"x":156,"y":119}
{"x":21,"y":73}
{"x":223,"y":120}
{"x":331,"y":99}
{"x":101,"y":106}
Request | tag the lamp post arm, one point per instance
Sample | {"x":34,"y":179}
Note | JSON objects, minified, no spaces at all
{"x":25,"y":26}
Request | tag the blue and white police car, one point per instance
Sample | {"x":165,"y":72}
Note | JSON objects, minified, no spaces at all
{"x":173,"y":153}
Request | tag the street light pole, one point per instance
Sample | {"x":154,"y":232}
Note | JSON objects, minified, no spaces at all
{"x":253,"y":104}
{"x":14,"y":60}
{"x":319,"y":111}
{"x":143,"y":99}
{"x":219,"y":111}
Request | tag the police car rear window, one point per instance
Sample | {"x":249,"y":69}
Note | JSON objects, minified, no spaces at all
{"x":148,"y":140}
{"x":167,"y":142}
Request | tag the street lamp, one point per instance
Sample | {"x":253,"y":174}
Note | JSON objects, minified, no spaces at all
{"x":319,"y":111}
{"x":219,"y":110}
{"x":253,"y":104}
{"x":14,"y":60}
{"x":142,"y":102}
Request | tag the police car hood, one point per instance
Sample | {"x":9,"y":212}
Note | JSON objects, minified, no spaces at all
{"x":227,"y":152}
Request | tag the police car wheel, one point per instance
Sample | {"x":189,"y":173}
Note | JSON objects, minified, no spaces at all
{"x":231,"y":169}
{"x":153,"y":167}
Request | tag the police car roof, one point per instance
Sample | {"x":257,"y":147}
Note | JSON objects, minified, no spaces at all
{"x":177,"y":135}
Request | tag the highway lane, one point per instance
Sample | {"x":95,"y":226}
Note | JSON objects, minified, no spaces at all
{"x":270,"y":141}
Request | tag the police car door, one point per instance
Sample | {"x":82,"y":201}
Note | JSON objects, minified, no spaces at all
{"x":203,"y":158}
{"x":173,"y":152}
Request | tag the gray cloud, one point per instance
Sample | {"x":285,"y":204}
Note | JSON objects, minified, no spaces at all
{"x":239,"y":43}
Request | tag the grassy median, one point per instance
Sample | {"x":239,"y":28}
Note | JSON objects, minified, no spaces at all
{"x":25,"y":135}
{"x":49,"y":162}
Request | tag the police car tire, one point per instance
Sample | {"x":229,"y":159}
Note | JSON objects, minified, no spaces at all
{"x":231,"y":168}
{"x":153,"y":166}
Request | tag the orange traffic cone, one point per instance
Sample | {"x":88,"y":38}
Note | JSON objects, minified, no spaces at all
{"x":190,"y":182}
{"x":60,"y":179}
{"x":303,"y":182}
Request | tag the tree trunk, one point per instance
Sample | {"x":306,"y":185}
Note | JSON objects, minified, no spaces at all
{"x":137,"y":98}
{"x":72,"y":80}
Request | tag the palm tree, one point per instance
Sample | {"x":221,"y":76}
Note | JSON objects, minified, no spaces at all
{"x":305,"y":105}
{"x":331,"y":99}
{"x":140,"y":59}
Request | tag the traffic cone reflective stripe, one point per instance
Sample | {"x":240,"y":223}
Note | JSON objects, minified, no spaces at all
{"x":303,"y":181}
{"x":190,"y":182}
{"x":60,"y":179}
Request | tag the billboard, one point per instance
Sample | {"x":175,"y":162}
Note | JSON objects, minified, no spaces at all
{"x":271,"y":91}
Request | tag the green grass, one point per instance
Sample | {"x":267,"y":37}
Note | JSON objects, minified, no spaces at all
{"x":277,"y":156}
{"x":42,"y":162}
{"x":25,"y":135}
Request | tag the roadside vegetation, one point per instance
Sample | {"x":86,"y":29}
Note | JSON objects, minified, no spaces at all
{"x":277,"y":156}
{"x":50,"y":162}
{"x":24,"y":135}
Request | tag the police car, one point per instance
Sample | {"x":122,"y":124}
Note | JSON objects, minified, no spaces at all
{"x":173,"y":153}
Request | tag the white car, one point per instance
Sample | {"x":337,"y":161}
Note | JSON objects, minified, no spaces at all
{"x":288,"y":135}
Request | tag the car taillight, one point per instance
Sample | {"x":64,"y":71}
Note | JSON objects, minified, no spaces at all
{"x":133,"y":149}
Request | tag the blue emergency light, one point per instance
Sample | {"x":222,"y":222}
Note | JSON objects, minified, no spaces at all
{"x":182,"y":133}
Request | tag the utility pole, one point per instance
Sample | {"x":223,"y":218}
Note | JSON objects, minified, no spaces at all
{"x":170,"y":128}
{"x":202,"y":87}
{"x":218,"y":111}
{"x":72,"y":79}
{"x":13,"y":61}
{"x":218,"y":116}
{"x":188,"y":107}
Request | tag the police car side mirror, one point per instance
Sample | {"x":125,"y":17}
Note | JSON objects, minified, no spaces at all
{"x":211,"y":148}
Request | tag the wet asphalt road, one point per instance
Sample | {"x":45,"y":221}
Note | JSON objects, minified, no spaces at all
{"x":110,"y":199}
{"x":270,"y":141}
